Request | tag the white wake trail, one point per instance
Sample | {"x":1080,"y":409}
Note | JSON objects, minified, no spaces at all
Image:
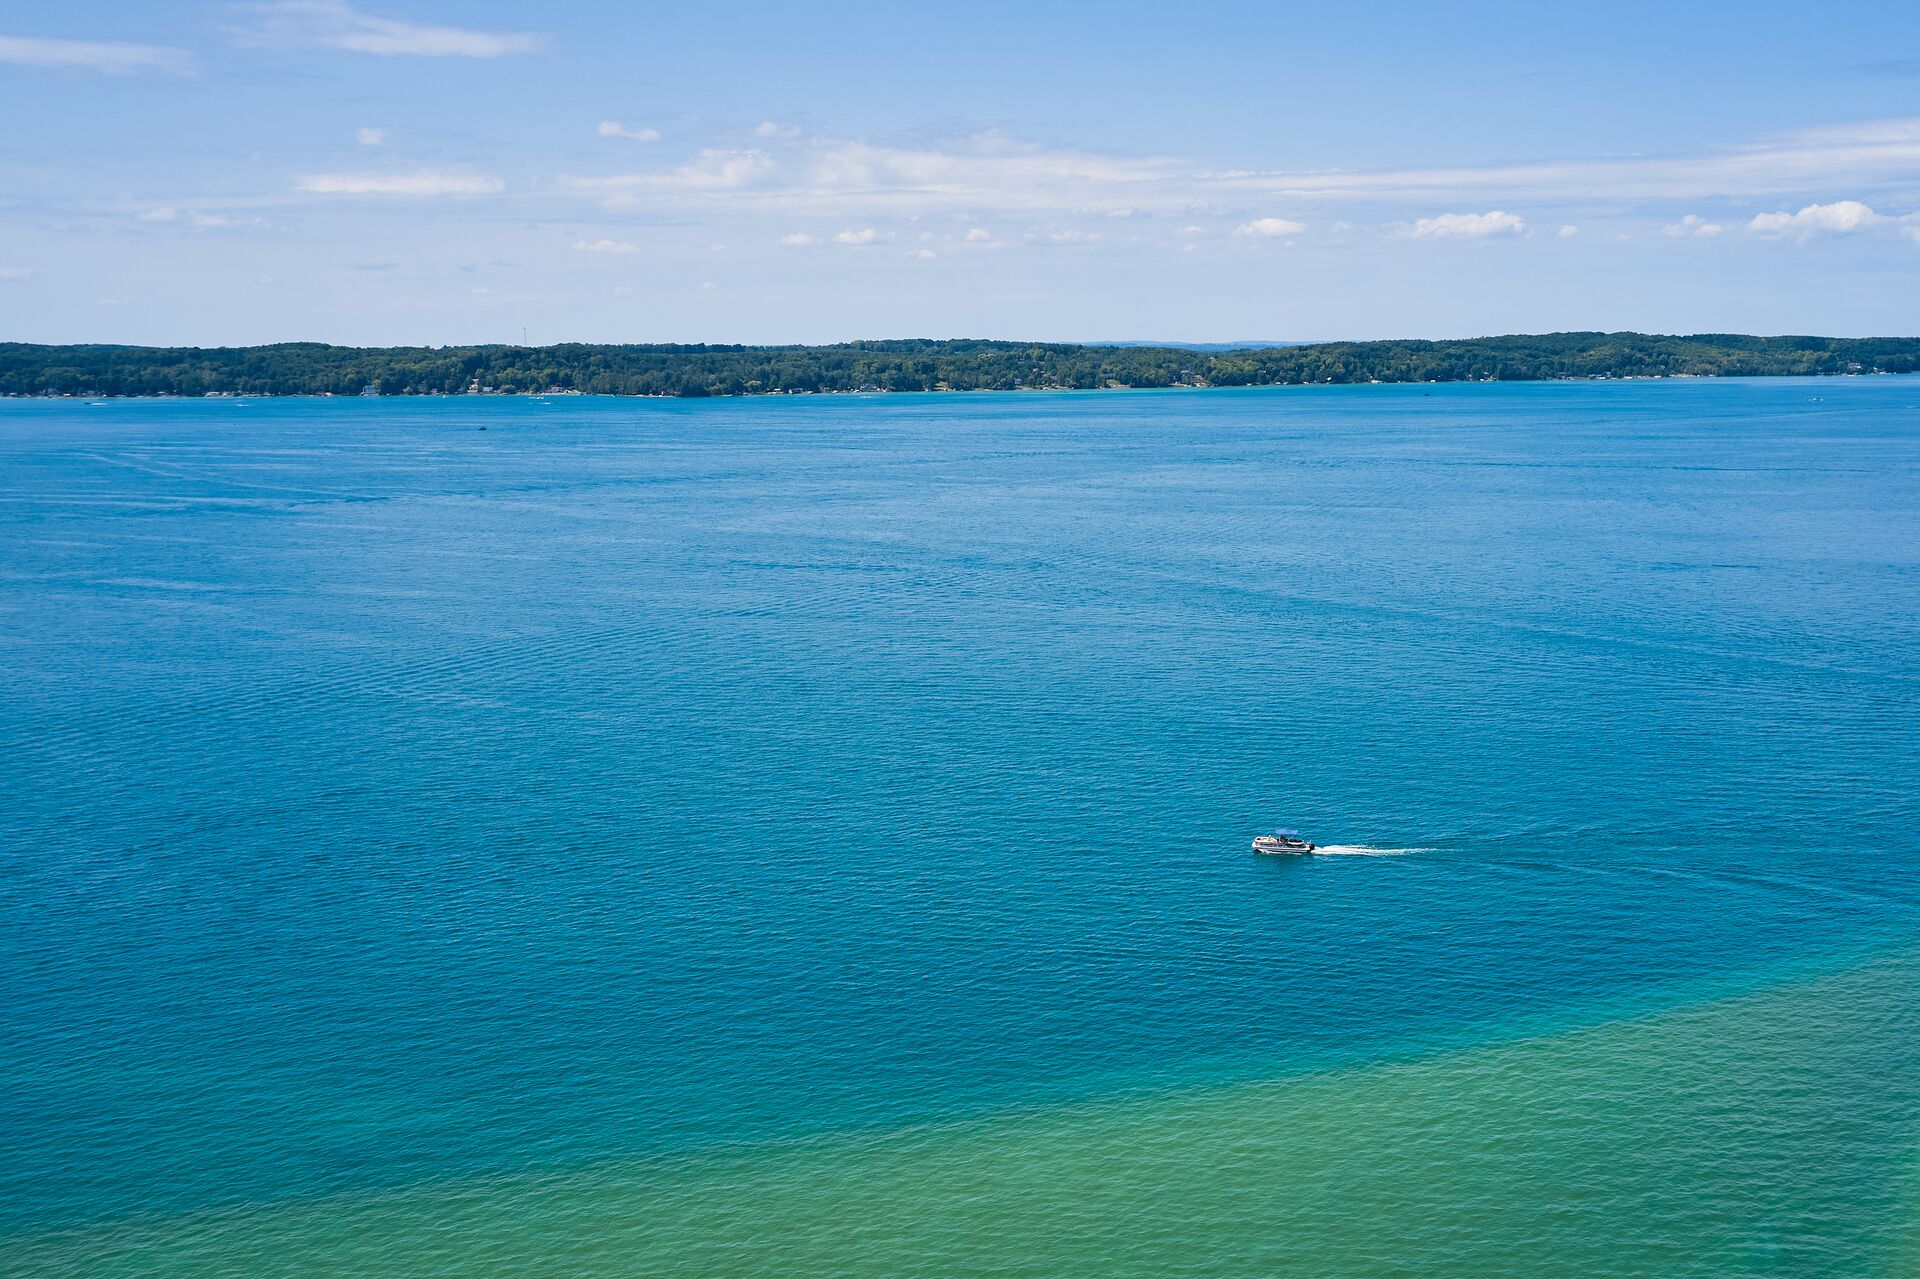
{"x":1362,"y":850}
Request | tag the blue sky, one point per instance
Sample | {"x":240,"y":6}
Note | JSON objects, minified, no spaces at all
{"x":422,"y":171}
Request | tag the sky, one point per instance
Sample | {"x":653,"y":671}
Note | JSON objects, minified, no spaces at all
{"x":436,"y":172}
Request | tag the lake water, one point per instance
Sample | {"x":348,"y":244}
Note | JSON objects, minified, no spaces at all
{"x":809,"y":836}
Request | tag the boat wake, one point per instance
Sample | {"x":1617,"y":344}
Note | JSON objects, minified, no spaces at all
{"x":1362,"y":850}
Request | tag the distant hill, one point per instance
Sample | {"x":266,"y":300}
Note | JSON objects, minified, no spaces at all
{"x":1249,"y":344}
{"x":311,"y":368}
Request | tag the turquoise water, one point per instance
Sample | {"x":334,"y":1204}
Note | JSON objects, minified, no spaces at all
{"x":809,"y":835}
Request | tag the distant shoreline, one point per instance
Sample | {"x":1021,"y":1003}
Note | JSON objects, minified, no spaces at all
{"x":1019,"y":390}
{"x":700,"y":371}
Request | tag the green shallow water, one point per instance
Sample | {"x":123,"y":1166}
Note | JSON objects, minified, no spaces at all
{"x":1768,"y":1132}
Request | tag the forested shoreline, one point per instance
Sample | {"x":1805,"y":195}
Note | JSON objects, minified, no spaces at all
{"x":303,"y":368}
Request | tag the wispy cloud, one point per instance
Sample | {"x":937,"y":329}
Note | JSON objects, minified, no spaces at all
{"x":370,"y":137}
{"x":605,"y":246}
{"x":989,"y":168}
{"x":1270,"y":228}
{"x":859,"y":236}
{"x":420,"y":184}
{"x":168,"y":215}
{"x":993,"y":174}
{"x":16,"y":272}
{"x":333,"y":24}
{"x":221,"y":221}
{"x":1045,"y":195}
{"x":1858,"y":154}
{"x":711,"y":170}
{"x":1064,"y":237}
{"x":797,"y":239}
{"x":1467,"y":226}
{"x":858,"y":181}
{"x":107,"y":57}
{"x":1693,"y":226}
{"x":774,"y":129}
{"x":1839,"y":218}
{"x":1056,"y":191}
{"x":614,"y":129}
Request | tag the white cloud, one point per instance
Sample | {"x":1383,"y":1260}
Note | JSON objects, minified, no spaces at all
{"x":720,"y":170}
{"x":923,"y":255}
{"x":1469,"y":226}
{"x":987,"y":172}
{"x":333,"y":24}
{"x":1912,"y":232}
{"x":711,"y":170}
{"x":614,"y":129}
{"x":426,"y":183}
{"x":797,"y":239}
{"x":1568,"y":231}
{"x":1858,"y":154}
{"x":370,"y":137}
{"x":107,"y":57}
{"x":1838,"y":218}
{"x":167,"y":215}
{"x":1270,"y":228}
{"x":219,"y":221}
{"x":1065,"y":237}
{"x":993,"y":175}
{"x":990,"y":175}
{"x":15,"y":272}
{"x":1025,"y":190}
{"x":862,"y":236}
{"x":773,"y":129}
{"x":1693,"y":226}
{"x":605,"y":246}
{"x":978,"y":235}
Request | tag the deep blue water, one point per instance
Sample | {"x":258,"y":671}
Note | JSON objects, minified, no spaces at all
{"x":388,"y":800}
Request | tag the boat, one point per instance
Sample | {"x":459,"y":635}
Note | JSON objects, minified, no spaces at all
{"x":1283,"y":842}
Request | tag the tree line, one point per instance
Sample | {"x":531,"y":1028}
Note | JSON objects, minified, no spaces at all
{"x":312,"y":368}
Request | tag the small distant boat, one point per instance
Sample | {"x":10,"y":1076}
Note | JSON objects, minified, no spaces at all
{"x":1283,"y":842}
